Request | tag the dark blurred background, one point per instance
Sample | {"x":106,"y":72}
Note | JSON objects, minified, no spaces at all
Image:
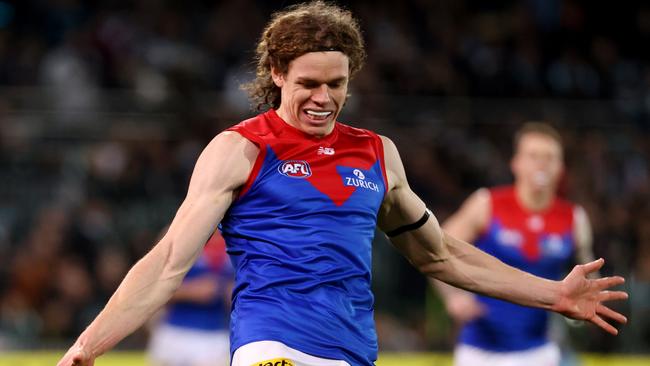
{"x":105,"y":105}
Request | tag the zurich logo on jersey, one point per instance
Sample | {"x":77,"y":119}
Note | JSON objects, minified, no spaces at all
{"x":359,"y":180}
{"x":295,"y":169}
{"x":510,"y":238}
{"x":554,"y":245}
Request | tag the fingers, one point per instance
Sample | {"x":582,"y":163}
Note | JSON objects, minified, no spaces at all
{"x":83,"y":362}
{"x":607,"y":282}
{"x":593,"y":266}
{"x":68,"y":360}
{"x":605,"y":311}
{"x":77,"y":360}
{"x":604,"y":325}
{"x":612,"y":295}
{"x":80,"y":359}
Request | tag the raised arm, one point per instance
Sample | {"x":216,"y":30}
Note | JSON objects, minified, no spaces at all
{"x":221,"y":169}
{"x":462,"y":265}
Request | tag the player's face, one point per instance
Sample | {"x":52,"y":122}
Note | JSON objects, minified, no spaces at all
{"x":313,"y":91}
{"x":538,"y":161}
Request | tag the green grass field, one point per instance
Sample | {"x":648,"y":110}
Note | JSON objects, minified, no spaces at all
{"x":385,"y":359}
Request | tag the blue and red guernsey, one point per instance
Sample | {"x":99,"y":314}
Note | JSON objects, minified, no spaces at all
{"x":211,"y":315}
{"x":537,"y":242}
{"x":299,"y":236}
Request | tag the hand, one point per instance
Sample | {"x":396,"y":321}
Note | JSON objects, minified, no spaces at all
{"x":463,"y":307}
{"x":581,"y":298}
{"x":77,"y":356}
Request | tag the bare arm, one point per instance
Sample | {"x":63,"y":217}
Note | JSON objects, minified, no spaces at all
{"x":204,"y":288}
{"x":471,"y":219}
{"x":466,"y":224}
{"x":583,"y":236}
{"x":460,"y":264}
{"x":221,"y":169}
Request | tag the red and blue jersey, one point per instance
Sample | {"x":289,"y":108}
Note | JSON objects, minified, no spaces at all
{"x":211,"y":315}
{"x":299,"y":236}
{"x":540,"y":243}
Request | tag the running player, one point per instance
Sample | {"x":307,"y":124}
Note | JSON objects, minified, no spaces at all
{"x":193,"y":330}
{"x":526,"y":226}
{"x":298,"y":196}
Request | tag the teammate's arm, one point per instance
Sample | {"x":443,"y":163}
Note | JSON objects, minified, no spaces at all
{"x":466,"y":224}
{"x":201,"y":289}
{"x":472,"y":217}
{"x":583,"y":235}
{"x":220,"y":171}
{"x":460,"y":264}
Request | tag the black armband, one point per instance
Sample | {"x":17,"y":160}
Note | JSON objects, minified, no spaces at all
{"x":410,"y":227}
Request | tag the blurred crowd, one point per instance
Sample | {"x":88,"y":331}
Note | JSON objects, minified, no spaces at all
{"x":105,"y":105}
{"x":507,"y":48}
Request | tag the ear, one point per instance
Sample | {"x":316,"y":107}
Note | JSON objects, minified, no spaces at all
{"x":278,"y":77}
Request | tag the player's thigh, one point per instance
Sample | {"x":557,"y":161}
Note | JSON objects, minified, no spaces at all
{"x":176,"y":346}
{"x":546,"y":355}
{"x":271,"y":353}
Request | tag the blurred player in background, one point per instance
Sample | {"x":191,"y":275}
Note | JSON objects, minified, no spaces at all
{"x":526,"y":226}
{"x":298,"y":196}
{"x":193,"y":330}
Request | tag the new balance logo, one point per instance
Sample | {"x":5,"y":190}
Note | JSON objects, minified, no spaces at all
{"x":325,"y":151}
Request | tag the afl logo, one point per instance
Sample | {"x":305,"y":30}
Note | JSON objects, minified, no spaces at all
{"x":295,"y":169}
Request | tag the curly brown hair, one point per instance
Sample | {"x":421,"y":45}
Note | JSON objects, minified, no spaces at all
{"x":291,"y":33}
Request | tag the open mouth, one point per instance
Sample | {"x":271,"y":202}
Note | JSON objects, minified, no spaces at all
{"x":317,"y":115}
{"x":541,"y":178}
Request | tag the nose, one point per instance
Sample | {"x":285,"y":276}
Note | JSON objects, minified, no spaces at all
{"x":543,"y":160}
{"x":321,"y":95}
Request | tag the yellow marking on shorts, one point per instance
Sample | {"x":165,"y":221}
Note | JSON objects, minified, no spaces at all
{"x":275,"y":362}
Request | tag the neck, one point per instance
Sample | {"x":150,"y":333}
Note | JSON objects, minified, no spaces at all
{"x":534,"y":199}
{"x":285,"y":117}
